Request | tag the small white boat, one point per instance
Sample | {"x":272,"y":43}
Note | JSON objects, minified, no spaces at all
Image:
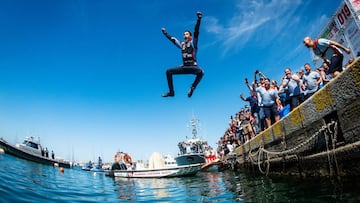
{"x":94,"y":167}
{"x":176,"y":171}
{"x":157,"y":167}
{"x":97,"y":168}
{"x":87,"y":166}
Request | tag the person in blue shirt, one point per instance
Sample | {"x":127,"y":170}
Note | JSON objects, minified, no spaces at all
{"x":270,"y":100}
{"x":254,"y":107}
{"x":188,"y":49}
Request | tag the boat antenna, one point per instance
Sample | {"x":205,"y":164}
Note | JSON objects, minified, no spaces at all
{"x":194,"y":126}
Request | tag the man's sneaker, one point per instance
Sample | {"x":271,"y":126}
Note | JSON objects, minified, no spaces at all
{"x":191,"y":91}
{"x":169,"y":94}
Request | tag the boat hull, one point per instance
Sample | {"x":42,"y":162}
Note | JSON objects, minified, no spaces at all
{"x":97,"y":168}
{"x":178,"y":171}
{"x":211,"y":167}
{"x":12,"y":150}
{"x":188,"y":159}
{"x":86,"y":168}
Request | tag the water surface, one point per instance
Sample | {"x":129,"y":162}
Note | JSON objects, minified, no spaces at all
{"x":24,"y":181}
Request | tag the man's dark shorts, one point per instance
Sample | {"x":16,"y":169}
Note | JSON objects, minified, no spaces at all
{"x":270,"y":110}
{"x":336,"y":63}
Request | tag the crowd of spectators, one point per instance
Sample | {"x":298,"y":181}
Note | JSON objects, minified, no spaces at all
{"x":269,"y":102}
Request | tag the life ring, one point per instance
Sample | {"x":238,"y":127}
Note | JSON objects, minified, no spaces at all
{"x":127,"y":158}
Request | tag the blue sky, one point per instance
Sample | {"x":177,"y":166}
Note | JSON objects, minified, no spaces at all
{"x":87,"y":76}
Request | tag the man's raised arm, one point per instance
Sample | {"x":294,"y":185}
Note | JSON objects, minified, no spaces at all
{"x":197,"y":26}
{"x":172,"y":39}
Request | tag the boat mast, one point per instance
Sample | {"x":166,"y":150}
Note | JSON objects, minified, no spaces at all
{"x":194,"y":126}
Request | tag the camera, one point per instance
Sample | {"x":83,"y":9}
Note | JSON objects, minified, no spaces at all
{"x":260,"y":74}
{"x":246,"y":81}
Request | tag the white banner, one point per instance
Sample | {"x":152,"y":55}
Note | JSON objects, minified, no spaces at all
{"x":352,"y":34}
{"x":355,"y":4}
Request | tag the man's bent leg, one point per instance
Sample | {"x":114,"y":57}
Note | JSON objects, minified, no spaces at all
{"x":335,"y":66}
{"x":169,"y":76}
{"x":199,"y":74}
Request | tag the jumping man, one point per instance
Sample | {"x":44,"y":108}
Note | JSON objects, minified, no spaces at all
{"x":328,"y":50}
{"x":189,"y":49}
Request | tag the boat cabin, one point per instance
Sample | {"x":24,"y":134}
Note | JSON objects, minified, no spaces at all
{"x":169,"y":161}
{"x":30,"y":145}
{"x":192,"y":146}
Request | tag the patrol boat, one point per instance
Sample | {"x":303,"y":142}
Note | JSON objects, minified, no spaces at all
{"x":31,"y":150}
{"x":192,"y":151}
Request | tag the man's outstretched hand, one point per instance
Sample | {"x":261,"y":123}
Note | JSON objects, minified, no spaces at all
{"x":199,"y":14}
{"x":163,"y":30}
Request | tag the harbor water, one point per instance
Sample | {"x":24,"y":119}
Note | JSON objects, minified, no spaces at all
{"x":24,"y":181}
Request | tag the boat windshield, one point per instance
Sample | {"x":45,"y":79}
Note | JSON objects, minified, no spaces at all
{"x":31,"y":144}
{"x":192,"y":147}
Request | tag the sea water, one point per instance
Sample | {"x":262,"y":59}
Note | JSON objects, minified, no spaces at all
{"x":25,"y":181}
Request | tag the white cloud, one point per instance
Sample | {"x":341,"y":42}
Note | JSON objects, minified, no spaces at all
{"x":258,"y":21}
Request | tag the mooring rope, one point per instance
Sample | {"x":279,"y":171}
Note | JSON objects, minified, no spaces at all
{"x":332,"y":157}
{"x":258,"y":163}
{"x":267,"y":161}
{"x":328,"y":151}
{"x":334,"y":139}
{"x":289,"y":151}
{"x":326,"y":130}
